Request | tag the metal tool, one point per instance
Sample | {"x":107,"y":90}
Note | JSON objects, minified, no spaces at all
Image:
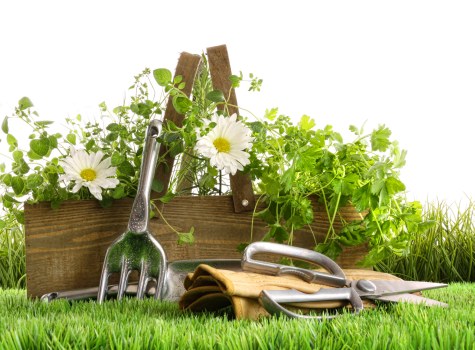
{"x":136,"y":249}
{"x":173,"y":287}
{"x":346,"y":290}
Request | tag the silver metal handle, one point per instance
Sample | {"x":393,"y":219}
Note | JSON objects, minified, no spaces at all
{"x":271,"y":300}
{"x":91,"y":293}
{"x":336,"y":277}
{"x":138,"y":221}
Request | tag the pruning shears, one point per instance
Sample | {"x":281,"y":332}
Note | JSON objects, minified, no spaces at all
{"x":341,"y":288}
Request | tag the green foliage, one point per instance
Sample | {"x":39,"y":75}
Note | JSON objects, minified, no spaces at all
{"x":444,"y":252}
{"x":295,"y":163}
{"x":150,"y":324}
{"x":12,"y":251}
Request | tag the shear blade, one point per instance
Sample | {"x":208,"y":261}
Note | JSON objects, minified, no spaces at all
{"x":411,"y":298}
{"x":391,"y":287}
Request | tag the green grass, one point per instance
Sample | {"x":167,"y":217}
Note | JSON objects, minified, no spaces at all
{"x":445,"y":253}
{"x":147,"y":324}
{"x":12,"y":255}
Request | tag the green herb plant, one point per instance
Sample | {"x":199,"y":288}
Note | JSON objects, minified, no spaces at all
{"x":291,"y":163}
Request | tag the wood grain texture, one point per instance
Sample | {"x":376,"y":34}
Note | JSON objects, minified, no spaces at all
{"x":187,"y":67}
{"x":65,"y":247}
{"x":220,"y":70}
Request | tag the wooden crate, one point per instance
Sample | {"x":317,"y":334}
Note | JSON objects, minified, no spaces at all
{"x":65,"y":247}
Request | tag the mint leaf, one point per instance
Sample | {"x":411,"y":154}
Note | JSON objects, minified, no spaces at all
{"x":71,"y":138}
{"x":162,"y":76}
{"x":24,"y":103}
{"x":18,"y":185}
{"x":181,"y":104}
{"x":33,"y":181}
{"x":215,"y":96}
{"x":40,"y":146}
{"x":187,"y":237}
{"x":5,"y":125}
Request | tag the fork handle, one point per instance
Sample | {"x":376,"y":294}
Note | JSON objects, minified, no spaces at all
{"x":139,"y":216}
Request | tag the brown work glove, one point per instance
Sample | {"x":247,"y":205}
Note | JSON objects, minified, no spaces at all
{"x":210,"y":289}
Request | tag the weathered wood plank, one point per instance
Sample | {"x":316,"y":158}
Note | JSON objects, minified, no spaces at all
{"x":65,"y":247}
{"x":187,"y":67}
{"x":220,"y":70}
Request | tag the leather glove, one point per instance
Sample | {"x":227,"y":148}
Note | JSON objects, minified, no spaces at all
{"x":211,"y":290}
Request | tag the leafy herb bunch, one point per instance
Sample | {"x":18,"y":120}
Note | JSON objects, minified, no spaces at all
{"x":295,"y":162}
{"x":35,"y":170}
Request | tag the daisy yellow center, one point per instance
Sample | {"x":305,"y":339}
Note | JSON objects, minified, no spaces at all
{"x":222,"y":145}
{"x":88,"y":174}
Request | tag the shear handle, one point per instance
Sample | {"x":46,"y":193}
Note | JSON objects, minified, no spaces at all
{"x":336,"y":277}
{"x":271,"y":300}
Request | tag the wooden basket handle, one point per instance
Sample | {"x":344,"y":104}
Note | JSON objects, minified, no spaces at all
{"x":220,"y":69}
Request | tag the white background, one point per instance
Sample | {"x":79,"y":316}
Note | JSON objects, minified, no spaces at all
{"x":407,"y":64}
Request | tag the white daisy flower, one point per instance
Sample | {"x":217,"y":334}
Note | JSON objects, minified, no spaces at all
{"x":224,"y":145}
{"x":89,"y":170}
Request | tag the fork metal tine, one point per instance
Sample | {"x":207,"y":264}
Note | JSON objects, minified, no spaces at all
{"x":144,"y":279}
{"x":124,"y":276}
{"x":103,"y":285}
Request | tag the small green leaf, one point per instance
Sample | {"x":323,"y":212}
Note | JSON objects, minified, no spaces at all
{"x":7,"y":179}
{"x":167,"y":197}
{"x":331,"y":249}
{"x":235,"y":81}
{"x":53,"y":141}
{"x":5,"y":125}
{"x":12,"y":141}
{"x":119,"y":192}
{"x":113,"y":127}
{"x":34,"y":181}
{"x":215,"y":96}
{"x":126,"y":168}
{"x":182,"y":104}
{"x":43,"y":123}
{"x":117,"y":159}
{"x":157,"y":186}
{"x":21,"y":167}
{"x":162,"y":76}
{"x":394,"y":185}
{"x":380,"y":139}
{"x":241,"y":247}
{"x":24,"y":103}
{"x":3,"y":224}
{"x":17,"y":156}
{"x":112,"y":136}
{"x":186,"y":237}
{"x":306,"y":123}
{"x":18,"y":185}
{"x":40,"y":146}
{"x":71,"y":138}
{"x":33,"y":156}
{"x":271,"y":114}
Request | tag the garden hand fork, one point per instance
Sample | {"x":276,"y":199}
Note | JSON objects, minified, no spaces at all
{"x":136,"y":249}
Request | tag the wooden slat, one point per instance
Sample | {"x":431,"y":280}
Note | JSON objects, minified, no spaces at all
{"x":220,"y":69}
{"x":65,"y":247}
{"x":187,"y":67}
